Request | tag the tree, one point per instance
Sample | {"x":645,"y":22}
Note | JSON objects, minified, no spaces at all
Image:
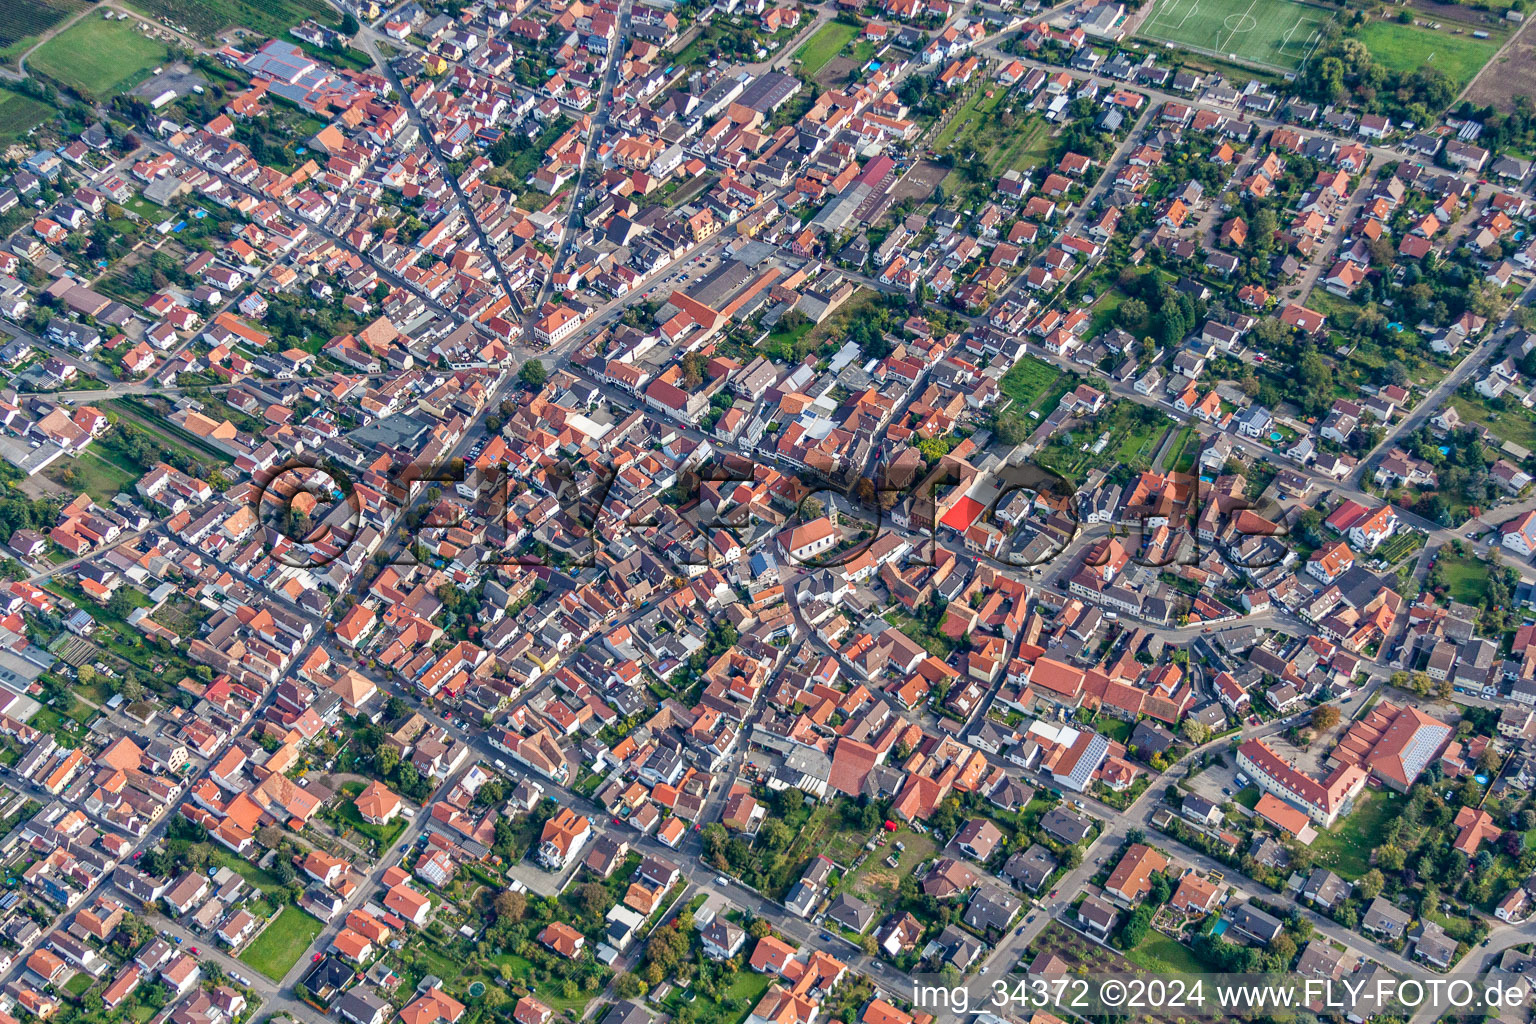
{"x":349,"y":25}
{"x":693,"y":366}
{"x":1325,"y":717}
{"x":1471,"y":793}
{"x":715,"y":840}
{"x":595,"y":899}
{"x":1132,"y":314}
{"x":1370,"y":884}
{"x":510,"y":906}
{"x":1196,"y":732}
{"x":533,"y":373}
{"x":387,"y":758}
{"x":775,"y":834}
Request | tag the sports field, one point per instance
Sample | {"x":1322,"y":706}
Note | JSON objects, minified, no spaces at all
{"x":1278,"y":34}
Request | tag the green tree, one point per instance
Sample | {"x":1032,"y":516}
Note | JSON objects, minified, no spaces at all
{"x":533,"y":373}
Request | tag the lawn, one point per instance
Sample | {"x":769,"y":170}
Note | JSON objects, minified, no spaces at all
{"x":1248,"y":797}
{"x":20,"y":114}
{"x":1117,"y":729}
{"x":524,"y":972}
{"x":1467,"y":578}
{"x":1278,"y":34}
{"x":93,"y":473}
{"x":279,"y":947}
{"x":919,"y":632}
{"x":1405,"y":48}
{"x":258,"y":877}
{"x":66,"y":726}
{"x":744,"y":991}
{"x":1181,"y":454}
{"x":1028,"y":381}
{"x":98,"y":58}
{"x":827,"y":43}
{"x":1346,"y":848}
{"x":1162,"y":955}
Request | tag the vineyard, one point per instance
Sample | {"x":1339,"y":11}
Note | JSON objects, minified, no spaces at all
{"x":207,"y":18}
{"x":20,"y":20}
{"x":20,"y":114}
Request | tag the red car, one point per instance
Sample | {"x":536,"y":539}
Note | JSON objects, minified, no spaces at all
{"x":194,"y":950}
{"x":316,"y":958}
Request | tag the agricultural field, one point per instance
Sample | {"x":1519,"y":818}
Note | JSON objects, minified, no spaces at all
{"x":1405,"y":48}
{"x":1512,"y":74}
{"x":827,"y":43}
{"x":207,"y":18}
{"x":98,"y":58}
{"x":19,"y":114}
{"x":22,"y":21}
{"x":1277,"y":34}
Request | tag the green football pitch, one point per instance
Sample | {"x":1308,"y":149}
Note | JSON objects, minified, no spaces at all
{"x":1275,"y":33}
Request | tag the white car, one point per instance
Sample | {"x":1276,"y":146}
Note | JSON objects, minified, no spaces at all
{"x":722,"y":880}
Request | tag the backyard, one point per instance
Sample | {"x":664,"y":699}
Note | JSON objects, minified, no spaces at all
{"x":279,"y":946}
{"x":1466,"y":578}
{"x":95,"y":473}
{"x":1162,"y":954}
{"x":1346,"y":848}
{"x":1513,"y":424}
{"x":346,"y":815}
{"x":1125,"y":434}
